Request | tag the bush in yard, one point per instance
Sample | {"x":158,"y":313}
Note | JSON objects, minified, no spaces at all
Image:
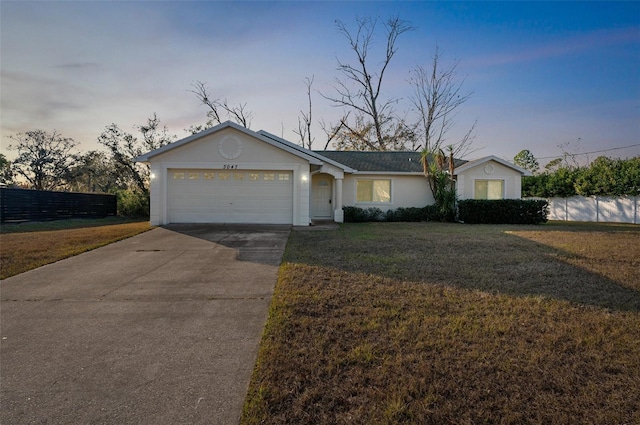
{"x":503,"y":211}
{"x":132,"y":203}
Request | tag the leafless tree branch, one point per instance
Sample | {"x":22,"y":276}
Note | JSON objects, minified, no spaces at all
{"x":437,"y":94}
{"x":364,"y":97}
{"x":304,"y":122}
{"x":239,"y":113}
{"x":332,"y":131}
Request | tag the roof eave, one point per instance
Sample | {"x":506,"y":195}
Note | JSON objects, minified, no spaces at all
{"x":481,"y":161}
{"x":145,"y":158}
{"x":166,"y":148}
{"x":308,"y":152}
{"x":395,"y":173}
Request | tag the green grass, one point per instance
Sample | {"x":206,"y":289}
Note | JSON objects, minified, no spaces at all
{"x":433,"y":323}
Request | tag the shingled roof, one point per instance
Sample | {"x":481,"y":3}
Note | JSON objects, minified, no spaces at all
{"x":391,"y":162}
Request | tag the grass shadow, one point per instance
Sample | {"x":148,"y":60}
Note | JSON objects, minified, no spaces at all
{"x":484,"y":258}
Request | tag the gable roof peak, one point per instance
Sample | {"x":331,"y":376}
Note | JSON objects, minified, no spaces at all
{"x":479,"y":161}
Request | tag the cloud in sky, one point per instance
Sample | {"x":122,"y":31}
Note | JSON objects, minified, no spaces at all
{"x":542,"y":74}
{"x":577,"y":44}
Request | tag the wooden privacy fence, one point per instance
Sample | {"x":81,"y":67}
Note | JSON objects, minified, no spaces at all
{"x":601,"y":209}
{"x":18,"y":205}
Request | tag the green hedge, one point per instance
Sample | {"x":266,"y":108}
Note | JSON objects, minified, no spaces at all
{"x":503,"y":211}
{"x":414,"y":214}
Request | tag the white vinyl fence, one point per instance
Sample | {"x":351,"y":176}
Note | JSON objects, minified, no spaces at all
{"x":603,"y":209}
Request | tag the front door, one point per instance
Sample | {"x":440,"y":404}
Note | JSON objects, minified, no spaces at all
{"x":321,"y":203}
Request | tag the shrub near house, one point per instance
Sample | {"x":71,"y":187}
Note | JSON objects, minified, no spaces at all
{"x":410,"y":214}
{"x":503,"y":211}
{"x":470,"y":211}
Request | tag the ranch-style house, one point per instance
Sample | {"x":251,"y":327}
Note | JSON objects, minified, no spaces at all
{"x":230,"y":174}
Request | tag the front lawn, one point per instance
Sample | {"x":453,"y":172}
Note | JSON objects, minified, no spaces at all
{"x":29,"y":245}
{"x":436,"y":323}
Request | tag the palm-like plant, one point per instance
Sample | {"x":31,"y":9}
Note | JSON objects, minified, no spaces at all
{"x":441,"y":181}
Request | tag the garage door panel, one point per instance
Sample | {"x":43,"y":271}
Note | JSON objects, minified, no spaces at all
{"x":243,"y":197}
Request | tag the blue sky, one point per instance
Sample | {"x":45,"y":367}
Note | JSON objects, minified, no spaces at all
{"x":543,"y":74}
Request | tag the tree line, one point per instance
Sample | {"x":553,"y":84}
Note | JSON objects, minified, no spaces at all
{"x":604,"y":176}
{"x":48,"y":161}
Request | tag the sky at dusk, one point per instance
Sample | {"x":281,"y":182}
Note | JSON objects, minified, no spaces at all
{"x":543,"y":74}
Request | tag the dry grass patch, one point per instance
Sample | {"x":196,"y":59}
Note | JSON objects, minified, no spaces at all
{"x":610,"y":250}
{"x":437,"y":323}
{"x":31,"y":246}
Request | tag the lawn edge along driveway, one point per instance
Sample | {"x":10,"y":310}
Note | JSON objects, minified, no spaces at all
{"x":162,"y":327}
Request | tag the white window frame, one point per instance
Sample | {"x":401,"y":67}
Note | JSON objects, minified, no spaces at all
{"x":504,"y":187}
{"x":372,"y":202}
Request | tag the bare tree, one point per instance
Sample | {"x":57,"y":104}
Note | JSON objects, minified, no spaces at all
{"x":571,"y":158}
{"x":43,"y":158}
{"x":239,"y":113}
{"x":354,"y":135}
{"x":437,"y":94}
{"x":304,"y":121}
{"x":361,"y":88}
{"x":333,"y":130}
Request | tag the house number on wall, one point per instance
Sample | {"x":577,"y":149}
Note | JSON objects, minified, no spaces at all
{"x":230,"y":167}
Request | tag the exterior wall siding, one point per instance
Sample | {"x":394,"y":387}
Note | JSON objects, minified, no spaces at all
{"x":406,"y":191}
{"x":490,"y":170}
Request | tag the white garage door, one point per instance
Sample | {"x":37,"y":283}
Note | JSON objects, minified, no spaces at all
{"x":230,"y":196}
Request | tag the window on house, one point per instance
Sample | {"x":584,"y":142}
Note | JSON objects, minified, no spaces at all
{"x":209,"y":176}
{"x":283,"y":177}
{"x":194,"y":176}
{"x":269,"y":176}
{"x":178,"y":176}
{"x":238,"y":176}
{"x":489,"y":189}
{"x":373,"y":191}
{"x":224,"y":176}
{"x":254,"y":176}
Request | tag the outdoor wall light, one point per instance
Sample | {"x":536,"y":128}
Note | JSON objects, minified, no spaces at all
{"x":305,"y":178}
{"x":152,"y":176}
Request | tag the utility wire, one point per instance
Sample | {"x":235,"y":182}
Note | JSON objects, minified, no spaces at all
{"x":589,"y":153}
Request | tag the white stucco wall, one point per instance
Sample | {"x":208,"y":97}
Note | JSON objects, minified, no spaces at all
{"x":204,"y":153}
{"x":406,"y":191}
{"x":490,"y":170}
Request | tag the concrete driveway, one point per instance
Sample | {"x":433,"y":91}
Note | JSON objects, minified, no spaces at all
{"x":161,"y":328}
